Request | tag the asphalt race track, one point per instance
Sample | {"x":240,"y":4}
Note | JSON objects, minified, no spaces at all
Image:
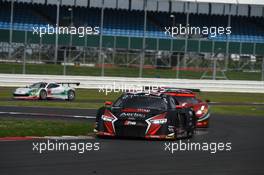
{"x":47,"y":113}
{"x":117,"y":156}
{"x":47,"y":110}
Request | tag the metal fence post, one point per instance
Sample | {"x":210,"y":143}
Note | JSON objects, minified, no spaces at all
{"x":144,"y":41}
{"x":56,"y":34}
{"x":127,"y":54}
{"x":25,"y":54}
{"x":40,"y":47}
{"x":64,"y":65}
{"x":178,"y":66}
{"x":186,"y":35}
{"x":227,"y":41}
{"x":214,"y":68}
{"x":171,"y":41}
{"x":84,"y":49}
{"x":101,"y":59}
{"x":71,"y":25}
{"x":11,"y":29}
{"x":262,"y":76}
{"x":214,"y":60}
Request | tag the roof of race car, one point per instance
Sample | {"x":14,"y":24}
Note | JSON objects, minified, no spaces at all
{"x":186,"y":90}
{"x":166,"y":91}
{"x":179,"y":92}
{"x":60,"y":83}
{"x":151,"y":94}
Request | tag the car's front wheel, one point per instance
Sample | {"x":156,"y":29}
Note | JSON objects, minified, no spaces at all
{"x":43,"y":95}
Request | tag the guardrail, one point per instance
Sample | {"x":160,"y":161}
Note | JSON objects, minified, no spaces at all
{"x":93,"y":82}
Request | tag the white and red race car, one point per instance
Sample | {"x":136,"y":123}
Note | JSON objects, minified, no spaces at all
{"x":44,"y":90}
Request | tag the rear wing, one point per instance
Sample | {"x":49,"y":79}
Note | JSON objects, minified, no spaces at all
{"x":174,"y":89}
{"x":149,"y":89}
{"x":69,"y":83}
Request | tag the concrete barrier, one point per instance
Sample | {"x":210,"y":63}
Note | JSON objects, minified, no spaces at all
{"x":93,"y":82}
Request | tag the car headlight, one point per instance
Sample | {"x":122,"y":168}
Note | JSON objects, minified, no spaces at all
{"x":199,"y":112}
{"x":202,"y":110}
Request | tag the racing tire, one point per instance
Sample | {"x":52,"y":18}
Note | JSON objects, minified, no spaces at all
{"x":99,"y":123}
{"x":71,"y":95}
{"x":43,"y":95}
{"x":190,"y":125}
{"x":98,"y":119}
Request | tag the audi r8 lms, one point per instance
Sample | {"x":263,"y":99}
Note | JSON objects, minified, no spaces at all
{"x":188,"y":98}
{"x":143,"y":115}
{"x":43,"y":91}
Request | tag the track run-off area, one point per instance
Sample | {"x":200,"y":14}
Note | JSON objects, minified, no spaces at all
{"x":133,"y":156}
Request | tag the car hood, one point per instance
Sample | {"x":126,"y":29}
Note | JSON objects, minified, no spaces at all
{"x":23,"y":90}
{"x":135,"y":113}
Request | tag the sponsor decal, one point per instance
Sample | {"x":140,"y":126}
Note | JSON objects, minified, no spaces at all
{"x":127,"y":122}
{"x":136,"y":115}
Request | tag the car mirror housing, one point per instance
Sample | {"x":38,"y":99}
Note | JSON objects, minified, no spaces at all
{"x":108,"y":103}
{"x":179,"y":107}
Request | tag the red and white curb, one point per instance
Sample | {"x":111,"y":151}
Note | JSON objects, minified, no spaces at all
{"x":6,"y":139}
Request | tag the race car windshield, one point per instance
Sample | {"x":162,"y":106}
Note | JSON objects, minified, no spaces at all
{"x":37,"y":85}
{"x":189,"y":100}
{"x":141,"y":102}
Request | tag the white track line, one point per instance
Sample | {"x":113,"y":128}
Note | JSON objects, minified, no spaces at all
{"x":48,"y":115}
{"x":68,"y":137}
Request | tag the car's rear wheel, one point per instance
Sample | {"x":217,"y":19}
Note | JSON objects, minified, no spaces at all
{"x":190,"y":125}
{"x":71,"y":95}
{"x":43,"y":95}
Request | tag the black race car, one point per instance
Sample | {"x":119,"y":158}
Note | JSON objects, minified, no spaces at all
{"x":145,"y":115}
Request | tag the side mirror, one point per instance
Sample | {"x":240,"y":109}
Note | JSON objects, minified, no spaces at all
{"x":207,"y":101}
{"x":108,"y":103}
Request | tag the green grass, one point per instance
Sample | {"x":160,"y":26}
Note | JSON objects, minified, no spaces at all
{"x":238,"y":110}
{"x":29,"y":127}
{"x":93,"y":99}
{"x":52,"y":69}
{"x":84,"y":99}
{"x":232,"y":97}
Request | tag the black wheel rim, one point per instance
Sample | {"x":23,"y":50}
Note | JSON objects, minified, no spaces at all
{"x":43,"y":95}
{"x":71,"y":95}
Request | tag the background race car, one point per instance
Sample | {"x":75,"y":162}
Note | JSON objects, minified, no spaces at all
{"x":43,"y":91}
{"x":188,"y":98}
{"x":145,"y":116}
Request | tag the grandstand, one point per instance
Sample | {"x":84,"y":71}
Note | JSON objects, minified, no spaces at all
{"x":137,"y":24}
{"x":116,"y":24}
